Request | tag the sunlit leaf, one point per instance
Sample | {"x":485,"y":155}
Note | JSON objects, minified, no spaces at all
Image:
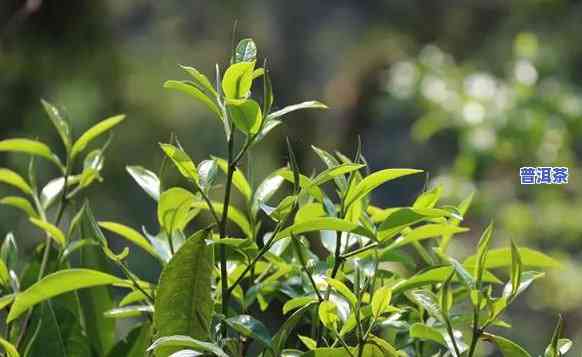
{"x":371,"y":182}
{"x":507,"y":347}
{"x":246,"y":51}
{"x":247,"y":116}
{"x":381,"y":300}
{"x":31,"y":147}
{"x":94,"y":132}
{"x":146,"y":179}
{"x":53,"y":231}
{"x":325,"y":223}
{"x":328,"y":314}
{"x":130,"y":234}
{"x":238,"y":79}
{"x":129,"y":311}
{"x":291,"y":108}
{"x":12,"y":178}
{"x":174,"y":209}
{"x":20,"y":203}
{"x":58,"y":283}
{"x":200,"y":79}
{"x":499,"y":258}
{"x":182,"y":161}
{"x":9,"y":348}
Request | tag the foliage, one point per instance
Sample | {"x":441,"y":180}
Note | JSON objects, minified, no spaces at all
{"x":353,"y":279}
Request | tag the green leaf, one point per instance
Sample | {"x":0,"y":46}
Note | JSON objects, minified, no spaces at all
{"x":234,"y":215}
{"x":428,"y":301}
{"x":4,"y":274}
{"x":371,"y":182}
{"x":174,"y":209}
{"x":146,"y":179}
{"x":238,"y":179}
{"x":329,"y":352}
{"x":334,"y":172}
{"x":92,"y":165}
{"x":96,"y":300}
{"x":182,"y":161}
{"x":344,"y":290}
{"x":328,"y":315}
{"x":499,"y":258}
{"x":31,"y":147}
{"x":75,"y":246}
{"x":131,"y":235}
{"x":330,"y":161}
{"x":516,"y":268}
{"x":308,"y":342}
{"x":58,"y":283}
{"x":482,"y":251}
{"x":184,"y":304}
{"x":59,"y":123}
{"x":299,"y":301}
{"x":326,"y":223}
{"x":191,"y":90}
{"x":397,"y":219}
{"x":425,"y":232}
{"x":175,"y":341}
{"x":20,"y":203}
{"x":427,"y":333}
{"x":129,"y":311}
{"x":291,"y":108}
{"x":246,"y":116}
{"x":433,"y":275}
{"x":238,"y":79}
{"x":285,"y":330}
{"x":132,"y":297}
{"x":248,"y":326}
{"x":507,"y":347}
{"x":12,"y":178}
{"x":200,"y":79}
{"x":94,"y":132}
{"x":381,"y":301}
{"x":53,"y":231}
{"x":60,"y":331}
{"x":9,"y":348}
{"x":246,"y":51}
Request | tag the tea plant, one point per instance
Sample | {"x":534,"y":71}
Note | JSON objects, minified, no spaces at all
{"x":386,"y":286}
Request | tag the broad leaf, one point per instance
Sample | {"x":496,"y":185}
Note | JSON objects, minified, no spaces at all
{"x":9,"y":348}
{"x":146,"y":179}
{"x":326,"y":223}
{"x":174,"y":209}
{"x":184,"y":304}
{"x":499,"y":258}
{"x":53,"y":231}
{"x":200,"y":79}
{"x":246,"y":116}
{"x":425,"y":232}
{"x":207,"y":170}
{"x":371,"y":182}
{"x":507,"y":347}
{"x":94,"y":132}
{"x":20,"y":203}
{"x":31,"y":147}
{"x":58,"y":283}
{"x":381,"y":301}
{"x":12,"y":178}
{"x":131,"y":235}
{"x":238,"y":79}
{"x":182,"y":161}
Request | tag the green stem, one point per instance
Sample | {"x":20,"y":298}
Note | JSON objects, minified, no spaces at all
{"x":304,"y":266}
{"x":222,"y":227}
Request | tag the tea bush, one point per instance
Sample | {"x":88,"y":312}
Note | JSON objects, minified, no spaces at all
{"x":347,"y":277}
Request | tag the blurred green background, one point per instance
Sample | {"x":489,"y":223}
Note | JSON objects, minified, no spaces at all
{"x":469,"y":90}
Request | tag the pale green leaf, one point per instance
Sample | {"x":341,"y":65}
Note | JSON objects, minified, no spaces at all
{"x":94,"y":132}
{"x":381,"y":300}
{"x":291,"y":108}
{"x":12,"y":178}
{"x":58,"y":283}
{"x":53,"y":231}
{"x":238,"y":79}
{"x":191,"y":90}
{"x":130,"y":234}
{"x":238,"y":179}
{"x":20,"y":203}
{"x":146,"y":179}
{"x":31,"y":147}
